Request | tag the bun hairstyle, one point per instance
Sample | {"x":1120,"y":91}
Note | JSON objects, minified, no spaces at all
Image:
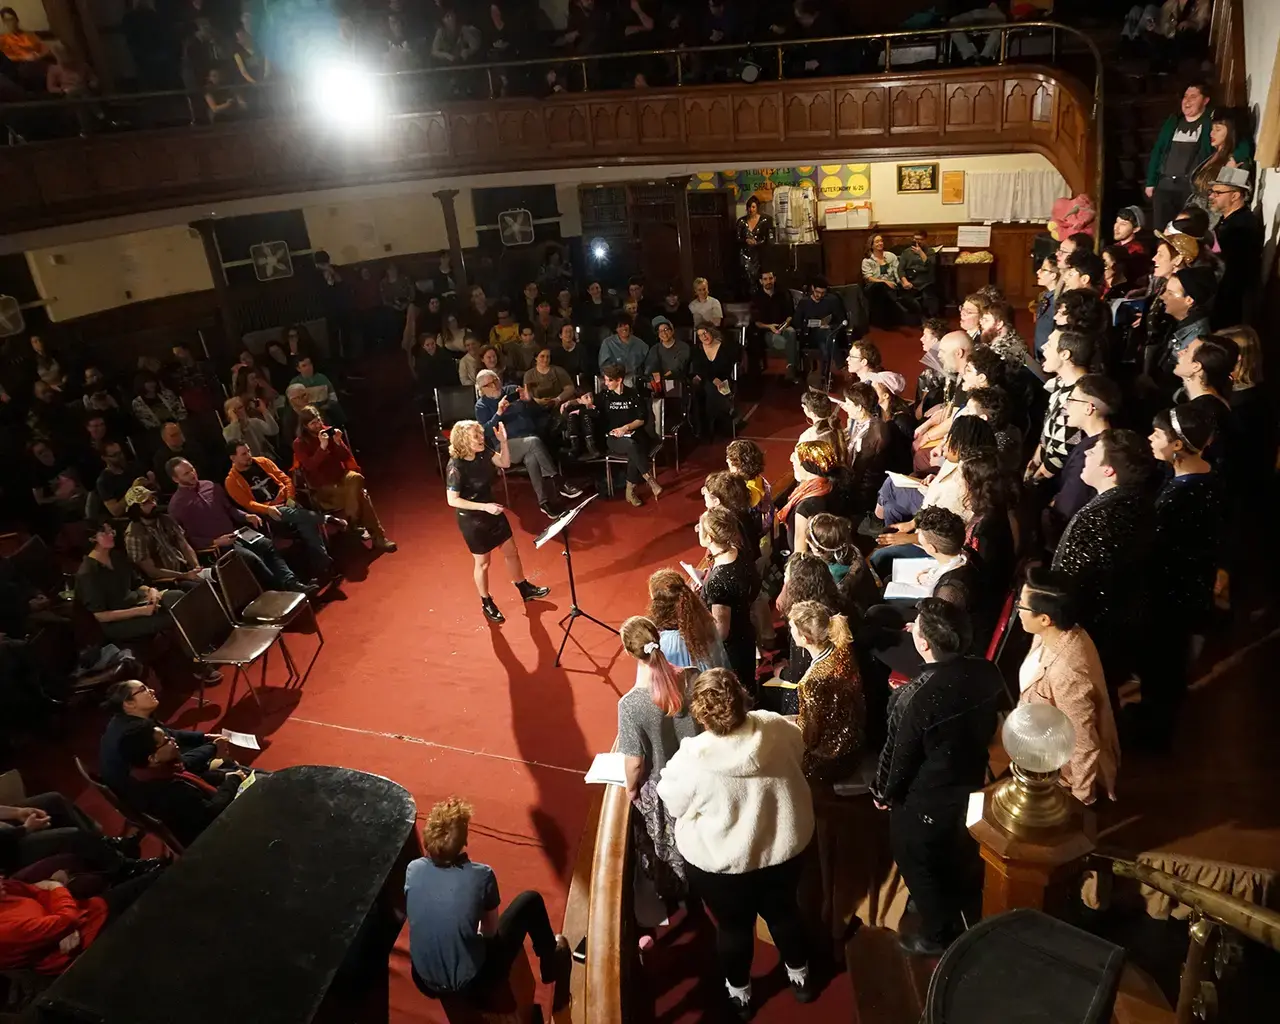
{"x":720,"y":527}
{"x":818,"y":458}
{"x":826,"y":418}
{"x":719,"y":703}
{"x":831,"y":535}
{"x":674,"y":605}
{"x":666,"y":682}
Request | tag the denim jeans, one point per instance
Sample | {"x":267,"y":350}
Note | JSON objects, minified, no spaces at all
{"x":882,"y":559}
{"x":310,"y":527}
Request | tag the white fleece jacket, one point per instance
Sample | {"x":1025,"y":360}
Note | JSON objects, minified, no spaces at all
{"x":741,"y":801}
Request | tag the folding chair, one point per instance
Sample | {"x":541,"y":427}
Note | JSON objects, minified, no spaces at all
{"x":250,"y":605}
{"x":133,"y":817}
{"x":213,"y":639}
{"x":668,"y":426}
{"x":452,"y":404}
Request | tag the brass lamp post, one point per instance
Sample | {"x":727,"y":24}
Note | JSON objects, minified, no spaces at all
{"x":1039,"y":740}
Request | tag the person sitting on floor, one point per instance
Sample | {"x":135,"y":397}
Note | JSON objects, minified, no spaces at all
{"x":459,"y":945}
{"x":211,"y":522}
{"x":161,"y":785}
{"x":156,"y":544}
{"x":257,"y":485}
{"x":334,"y":476}
{"x":132,"y":701}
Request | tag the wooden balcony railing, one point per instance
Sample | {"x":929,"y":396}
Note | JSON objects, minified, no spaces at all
{"x":940,"y":112}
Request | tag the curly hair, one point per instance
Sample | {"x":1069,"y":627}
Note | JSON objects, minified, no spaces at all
{"x":445,"y":833}
{"x":674,"y":605}
{"x":747,"y":456}
{"x":459,"y":434}
{"x":808,"y":579}
{"x":719,"y":703}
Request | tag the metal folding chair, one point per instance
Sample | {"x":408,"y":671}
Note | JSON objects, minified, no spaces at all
{"x":213,"y":639}
{"x":250,"y":605}
{"x":452,"y":404}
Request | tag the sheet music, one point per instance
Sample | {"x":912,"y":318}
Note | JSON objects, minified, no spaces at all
{"x":558,"y":525}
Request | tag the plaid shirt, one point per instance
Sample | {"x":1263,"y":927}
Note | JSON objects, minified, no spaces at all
{"x":160,"y":540}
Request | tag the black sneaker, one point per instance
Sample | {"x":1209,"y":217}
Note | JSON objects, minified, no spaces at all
{"x":531,"y":593}
{"x":548,"y":510}
{"x":491,"y":610}
{"x":568,"y":490}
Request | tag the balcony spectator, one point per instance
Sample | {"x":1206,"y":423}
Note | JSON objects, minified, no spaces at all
{"x":401,"y":53}
{"x":256,"y":431}
{"x":990,"y":14}
{"x":202,"y":51}
{"x":156,"y":545}
{"x":918,"y":267}
{"x":221,"y":102}
{"x":335,"y":477}
{"x":587,"y":29}
{"x":809,"y":20}
{"x":454,"y":42}
{"x":1240,"y":237}
{"x":251,"y":62}
{"x":26,"y":50}
{"x":152,"y":45}
{"x":880,"y":283}
{"x":1181,"y":29}
{"x":70,"y":76}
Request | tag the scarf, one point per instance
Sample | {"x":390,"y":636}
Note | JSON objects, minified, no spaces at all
{"x":819,"y":485}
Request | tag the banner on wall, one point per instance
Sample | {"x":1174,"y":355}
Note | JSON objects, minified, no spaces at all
{"x":828,"y":181}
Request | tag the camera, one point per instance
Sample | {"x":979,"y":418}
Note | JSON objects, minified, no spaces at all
{"x":328,"y":431}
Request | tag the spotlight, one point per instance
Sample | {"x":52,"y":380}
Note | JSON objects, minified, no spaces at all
{"x":346,"y":96}
{"x":599,"y":250}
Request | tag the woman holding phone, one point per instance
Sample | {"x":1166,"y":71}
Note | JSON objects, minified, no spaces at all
{"x":483,"y":522}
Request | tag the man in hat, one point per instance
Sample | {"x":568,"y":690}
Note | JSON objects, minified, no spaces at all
{"x":156,"y":544}
{"x":1130,"y":235}
{"x":1240,"y":240}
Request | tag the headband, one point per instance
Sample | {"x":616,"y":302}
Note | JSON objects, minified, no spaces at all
{"x":1177,"y":429}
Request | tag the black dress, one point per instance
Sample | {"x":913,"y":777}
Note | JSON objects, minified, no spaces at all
{"x":708,"y":404}
{"x":737,"y":585}
{"x":472,"y":479}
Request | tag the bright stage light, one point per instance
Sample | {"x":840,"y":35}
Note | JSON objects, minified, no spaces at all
{"x":346,"y":96}
{"x":600,"y":250}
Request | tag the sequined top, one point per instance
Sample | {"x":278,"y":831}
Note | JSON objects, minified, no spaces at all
{"x":833,"y":715}
{"x":1188,"y":530}
{"x":1105,"y":549}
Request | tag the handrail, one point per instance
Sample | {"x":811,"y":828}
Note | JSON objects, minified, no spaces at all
{"x":608,"y":910}
{"x":1257,"y":923}
{"x":1004,"y":28}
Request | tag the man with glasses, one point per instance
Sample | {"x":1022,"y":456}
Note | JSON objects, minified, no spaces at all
{"x":1240,"y":238}
{"x":1090,"y":406}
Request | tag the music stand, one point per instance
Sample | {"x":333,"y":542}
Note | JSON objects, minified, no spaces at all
{"x":559,"y":526}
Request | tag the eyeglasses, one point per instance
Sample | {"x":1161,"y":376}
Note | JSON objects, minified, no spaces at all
{"x":1220,"y":191}
{"x":1024,"y":608}
{"x":1082,"y":401}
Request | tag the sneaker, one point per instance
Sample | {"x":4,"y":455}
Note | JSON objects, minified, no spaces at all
{"x":547,"y":510}
{"x":568,"y":490}
{"x":491,"y":610}
{"x":531,"y":593}
{"x":210,"y":675}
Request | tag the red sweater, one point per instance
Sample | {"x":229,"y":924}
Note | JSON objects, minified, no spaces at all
{"x":323,"y":466}
{"x":33,"y":921}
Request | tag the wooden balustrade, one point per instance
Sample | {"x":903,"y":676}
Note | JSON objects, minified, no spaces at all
{"x":938,"y":113}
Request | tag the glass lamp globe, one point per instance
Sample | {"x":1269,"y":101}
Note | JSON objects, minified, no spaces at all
{"x":1039,"y":738}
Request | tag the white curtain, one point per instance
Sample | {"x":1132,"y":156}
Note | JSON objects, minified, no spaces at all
{"x":1006,"y":196}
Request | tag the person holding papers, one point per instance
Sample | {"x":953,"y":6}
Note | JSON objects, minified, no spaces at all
{"x":620,"y":412}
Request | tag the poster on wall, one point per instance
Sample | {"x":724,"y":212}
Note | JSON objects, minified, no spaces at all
{"x":952,"y":188}
{"x":917,"y":178}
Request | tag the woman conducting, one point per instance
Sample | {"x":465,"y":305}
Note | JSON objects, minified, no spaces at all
{"x":483,"y":522}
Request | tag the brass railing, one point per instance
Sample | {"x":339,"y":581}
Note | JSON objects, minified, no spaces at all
{"x":1216,"y":918}
{"x":405,"y":92}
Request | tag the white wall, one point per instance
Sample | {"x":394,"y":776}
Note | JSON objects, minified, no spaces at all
{"x":1261,"y":32}
{"x":31,"y":15}
{"x":373,"y":229}
{"x":88,"y":277}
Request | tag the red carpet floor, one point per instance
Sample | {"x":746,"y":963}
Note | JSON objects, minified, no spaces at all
{"x":415,"y":685}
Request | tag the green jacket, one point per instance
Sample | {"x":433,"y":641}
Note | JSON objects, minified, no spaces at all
{"x":1243,"y":150}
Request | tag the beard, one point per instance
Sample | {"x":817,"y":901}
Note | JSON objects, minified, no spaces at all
{"x":988,"y":336}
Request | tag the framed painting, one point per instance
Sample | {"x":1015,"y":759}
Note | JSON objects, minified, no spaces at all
{"x":917,"y":178}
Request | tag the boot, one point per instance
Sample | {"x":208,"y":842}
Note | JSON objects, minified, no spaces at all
{"x":632,"y":497}
{"x":592,"y":446}
{"x":491,"y":610}
{"x":654,"y":489}
{"x":530,"y":592}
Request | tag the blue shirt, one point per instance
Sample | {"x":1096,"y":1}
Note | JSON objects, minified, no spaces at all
{"x":630,"y":355}
{"x":1187,"y":332}
{"x":445,"y":906}
{"x":519,"y":419}
{"x":676,"y":651}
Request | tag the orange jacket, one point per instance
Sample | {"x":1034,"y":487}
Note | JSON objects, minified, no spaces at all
{"x":238,"y":487}
{"x":33,"y":921}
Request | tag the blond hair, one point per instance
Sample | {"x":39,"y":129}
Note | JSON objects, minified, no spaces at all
{"x":445,"y":833}
{"x":458,"y":438}
{"x":721,"y":527}
{"x":1248,"y":370}
{"x":719,"y":703}
{"x":816,"y":624}
{"x":701,"y":280}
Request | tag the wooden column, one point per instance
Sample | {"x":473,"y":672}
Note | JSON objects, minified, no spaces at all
{"x":684,"y":233}
{"x":446,"y":197}
{"x":229,"y":342}
{"x":1029,"y":869}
